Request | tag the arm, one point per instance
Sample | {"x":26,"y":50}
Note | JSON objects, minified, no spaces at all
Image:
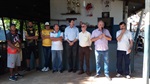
{"x":120,"y":36}
{"x":107,"y":38}
{"x":56,"y":38}
{"x":97,"y":38}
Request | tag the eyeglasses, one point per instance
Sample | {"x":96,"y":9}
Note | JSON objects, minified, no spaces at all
{"x":82,"y":26}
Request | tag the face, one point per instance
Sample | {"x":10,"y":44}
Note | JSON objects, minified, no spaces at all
{"x":100,"y":24}
{"x":47,"y":27}
{"x":71,"y":23}
{"x":30,"y":24}
{"x":13,"y":29}
{"x":56,"y":28}
{"x":83,"y":27}
{"x":123,"y":26}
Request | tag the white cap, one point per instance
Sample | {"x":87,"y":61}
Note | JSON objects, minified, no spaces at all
{"x":46,"y":23}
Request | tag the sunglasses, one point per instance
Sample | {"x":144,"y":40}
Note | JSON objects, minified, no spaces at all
{"x":82,"y":26}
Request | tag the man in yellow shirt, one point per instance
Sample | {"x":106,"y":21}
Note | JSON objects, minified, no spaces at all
{"x":46,"y":43}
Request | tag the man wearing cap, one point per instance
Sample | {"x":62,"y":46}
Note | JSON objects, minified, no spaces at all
{"x":31,"y":39}
{"x":71,"y":36}
{"x":13,"y":52}
{"x":46,"y":43}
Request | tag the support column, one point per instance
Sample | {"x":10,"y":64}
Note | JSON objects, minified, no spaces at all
{"x":146,"y":44}
{"x":126,"y":11}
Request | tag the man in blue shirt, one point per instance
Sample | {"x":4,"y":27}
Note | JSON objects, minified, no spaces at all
{"x":71,"y":36}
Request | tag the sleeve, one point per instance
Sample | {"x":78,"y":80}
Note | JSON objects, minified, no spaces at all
{"x":108,"y":33}
{"x":92,"y":36}
{"x":51,"y":34}
{"x":62,"y":34}
{"x":117,"y":34}
{"x":36,"y":33}
{"x":66,"y":34}
{"x":90,"y":39}
{"x":130,"y":36}
{"x":26,"y":34}
{"x":8,"y":37}
{"x":77,"y":37}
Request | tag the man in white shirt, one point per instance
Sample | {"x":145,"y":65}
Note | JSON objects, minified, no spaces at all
{"x":84,"y":49}
{"x":125,"y":43}
{"x":57,"y":49}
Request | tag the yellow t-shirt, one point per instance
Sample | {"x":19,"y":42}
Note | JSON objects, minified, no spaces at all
{"x":47,"y":41}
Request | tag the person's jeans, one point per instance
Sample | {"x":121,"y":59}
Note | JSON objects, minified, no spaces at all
{"x":57,"y":59}
{"x":98,"y":55}
{"x":47,"y":56}
{"x":120,"y":56}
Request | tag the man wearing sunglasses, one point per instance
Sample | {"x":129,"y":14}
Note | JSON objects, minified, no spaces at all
{"x":84,"y":49}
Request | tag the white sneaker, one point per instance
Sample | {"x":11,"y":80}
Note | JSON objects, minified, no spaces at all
{"x":128,"y":76}
{"x":47,"y":69}
{"x":44,"y":69}
{"x":118,"y":75}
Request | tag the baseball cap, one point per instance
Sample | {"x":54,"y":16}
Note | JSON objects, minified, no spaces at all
{"x":46,"y":23}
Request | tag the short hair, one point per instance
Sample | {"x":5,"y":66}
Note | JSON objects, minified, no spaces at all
{"x":122,"y":23}
{"x":84,"y":24}
{"x":70,"y":20}
{"x":12,"y":25}
{"x":101,"y":21}
{"x":55,"y":25}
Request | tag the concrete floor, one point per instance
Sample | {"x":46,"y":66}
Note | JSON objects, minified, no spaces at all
{"x":34,"y":77}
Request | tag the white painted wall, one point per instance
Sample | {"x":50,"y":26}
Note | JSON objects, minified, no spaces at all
{"x":60,"y":6}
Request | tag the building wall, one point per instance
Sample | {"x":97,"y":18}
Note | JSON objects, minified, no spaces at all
{"x":60,"y":6}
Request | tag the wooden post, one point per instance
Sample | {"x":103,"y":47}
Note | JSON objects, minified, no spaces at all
{"x":4,"y":27}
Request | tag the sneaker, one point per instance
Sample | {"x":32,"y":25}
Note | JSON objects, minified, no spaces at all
{"x":12,"y":78}
{"x":28,"y":69}
{"x":47,"y":69}
{"x":43,"y":69}
{"x":18,"y":75}
{"x":70,"y":70}
{"x":109,"y":78}
{"x":37,"y":69}
{"x":54,"y":71}
{"x":61,"y":71}
{"x":128,"y":76}
{"x":118,"y":75}
{"x":96,"y":76}
{"x":81,"y":72}
{"x":88,"y":73}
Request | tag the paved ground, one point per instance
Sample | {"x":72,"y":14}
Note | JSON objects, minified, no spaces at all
{"x":34,"y":77}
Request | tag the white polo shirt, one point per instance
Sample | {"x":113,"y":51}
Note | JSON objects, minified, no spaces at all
{"x":56,"y":45}
{"x":124,"y":43}
{"x":84,"y":39}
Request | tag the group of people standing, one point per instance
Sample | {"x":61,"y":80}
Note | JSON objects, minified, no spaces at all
{"x":52,"y":43}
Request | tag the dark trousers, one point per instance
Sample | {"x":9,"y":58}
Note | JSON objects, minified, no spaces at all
{"x":120,"y":56}
{"x":72,"y":56}
{"x":34,"y":50}
{"x":84,"y":52}
{"x":47,"y":56}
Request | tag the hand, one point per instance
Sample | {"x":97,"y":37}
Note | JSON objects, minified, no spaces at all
{"x":123,"y":31}
{"x":18,"y":49}
{"x":71,"y":43}
{"x":100,"y":36}
{"x":129,"y":51}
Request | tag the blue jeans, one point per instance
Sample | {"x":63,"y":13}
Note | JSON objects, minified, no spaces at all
{"x":57,"y":59}
{"x":47,"y":56}
{"x":98,"y":55}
